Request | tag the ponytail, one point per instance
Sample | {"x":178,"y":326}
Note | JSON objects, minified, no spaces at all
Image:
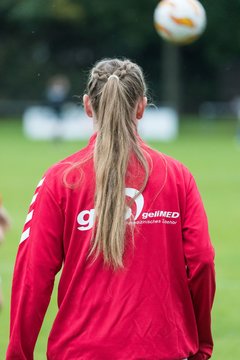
{"x":116,"y":141}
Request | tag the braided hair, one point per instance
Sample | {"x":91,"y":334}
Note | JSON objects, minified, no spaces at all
{"x":114,"y":88}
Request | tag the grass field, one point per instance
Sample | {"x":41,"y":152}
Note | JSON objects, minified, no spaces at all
{"x":211,"y":153}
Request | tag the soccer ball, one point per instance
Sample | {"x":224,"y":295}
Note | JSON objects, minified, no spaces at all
{"x":180,"y":21}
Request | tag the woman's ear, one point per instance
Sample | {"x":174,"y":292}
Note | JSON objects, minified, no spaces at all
{"x":141,"y":107}
{"x":87,"y":106}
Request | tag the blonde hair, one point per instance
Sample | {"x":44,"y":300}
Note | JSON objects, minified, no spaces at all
{"x":114,"y":99}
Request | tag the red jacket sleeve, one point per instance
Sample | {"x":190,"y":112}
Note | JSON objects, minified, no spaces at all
{"x":199,"y":255}
{"x":38,"y":260}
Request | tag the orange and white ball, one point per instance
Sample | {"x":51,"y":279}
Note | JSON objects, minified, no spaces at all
{"x":180,"y":21}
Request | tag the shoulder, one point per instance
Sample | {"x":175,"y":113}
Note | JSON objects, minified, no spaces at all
{"x":175,"y":168}
{"x":59,"y":167}
{"x":68,"y":169}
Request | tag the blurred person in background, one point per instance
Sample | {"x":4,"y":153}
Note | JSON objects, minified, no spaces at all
{"x":4,"y":225}
{"x":128,"y":226}
{"x":57,"y":91}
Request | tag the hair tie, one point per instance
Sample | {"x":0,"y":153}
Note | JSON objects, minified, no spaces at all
{"x":113,"y":76}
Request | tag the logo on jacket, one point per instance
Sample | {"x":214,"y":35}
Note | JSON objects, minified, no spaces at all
{"x":86,"y":218}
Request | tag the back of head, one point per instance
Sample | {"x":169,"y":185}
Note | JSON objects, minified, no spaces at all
{"x":114,"y":88}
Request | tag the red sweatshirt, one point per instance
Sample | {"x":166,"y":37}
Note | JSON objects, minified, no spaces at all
{"x":157,"y":307}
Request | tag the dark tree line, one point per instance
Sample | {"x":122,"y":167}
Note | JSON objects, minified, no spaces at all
{"x":41,"y":38}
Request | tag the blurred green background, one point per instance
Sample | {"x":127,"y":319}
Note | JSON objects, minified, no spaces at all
{"x":39,"y":39}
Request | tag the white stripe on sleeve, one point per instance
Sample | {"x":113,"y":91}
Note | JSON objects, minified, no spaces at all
{"x":34,"y":198}
{"x":25,"y":235}
{"x":41,"y":182}
{"x":29,"y":216}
